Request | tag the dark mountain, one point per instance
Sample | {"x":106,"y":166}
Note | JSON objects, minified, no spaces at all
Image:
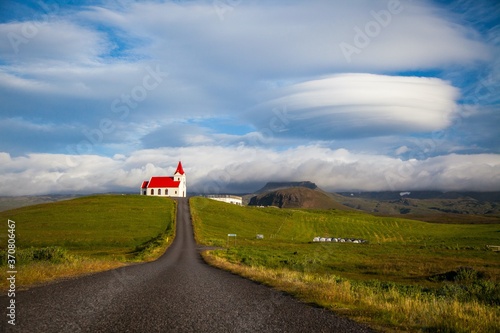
{"x":297,"y":197}
{"x":273,"y":186}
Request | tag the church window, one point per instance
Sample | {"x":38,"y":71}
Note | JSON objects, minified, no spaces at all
{"x":159,"y":191}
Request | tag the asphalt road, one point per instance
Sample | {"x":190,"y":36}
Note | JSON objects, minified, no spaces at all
{"x":176,"y":293}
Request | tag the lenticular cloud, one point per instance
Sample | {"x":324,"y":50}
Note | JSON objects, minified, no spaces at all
{"x":361,"y":105}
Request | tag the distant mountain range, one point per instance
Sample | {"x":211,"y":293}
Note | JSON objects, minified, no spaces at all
{"x":396,"y":195}
{"x":432,"y":206}
{"x":7,"y":202}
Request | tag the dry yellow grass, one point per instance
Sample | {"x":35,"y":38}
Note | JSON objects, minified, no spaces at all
{"x":37,"y":273}
{"x":382,"y":309}
{"x":44,"y":272}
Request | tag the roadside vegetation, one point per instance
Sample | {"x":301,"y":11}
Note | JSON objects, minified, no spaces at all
{"x":86,"y":235}
{"x":411,"y":275}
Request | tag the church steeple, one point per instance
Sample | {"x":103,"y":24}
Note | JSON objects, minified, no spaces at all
{"x":179,"y":169}
{"x":180,"y":176}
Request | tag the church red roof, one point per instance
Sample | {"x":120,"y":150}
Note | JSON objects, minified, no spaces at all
{"x":144,"y":184}
{"x":163,"y":182}
{"x":179,"y":169}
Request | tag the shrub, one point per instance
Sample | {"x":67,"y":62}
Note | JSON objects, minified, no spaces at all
{"x":53,"y":254}
{"x":466,"y":284}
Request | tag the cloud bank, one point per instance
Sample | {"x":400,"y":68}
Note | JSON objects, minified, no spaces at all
{"x":246,"y":169}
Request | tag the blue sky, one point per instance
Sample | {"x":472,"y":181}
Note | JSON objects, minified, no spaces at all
{"x":356,"y":95}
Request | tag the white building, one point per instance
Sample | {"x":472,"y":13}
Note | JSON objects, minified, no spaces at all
{"x":232,"y":199}
{"x":166,"y":186}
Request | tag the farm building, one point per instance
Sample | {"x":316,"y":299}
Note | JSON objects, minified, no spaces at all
{"x":232,"y":199}
{"x":161,"y":186}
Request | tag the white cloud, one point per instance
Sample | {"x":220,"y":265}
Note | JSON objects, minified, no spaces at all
{"x":362,"y":105}
{"x":218,"y":169}
{"x":419,"y":36}
{"x":259,"y":39}
{"x":401,"y":150}
{"x":19,"y":83}
{"x":52,"y":42}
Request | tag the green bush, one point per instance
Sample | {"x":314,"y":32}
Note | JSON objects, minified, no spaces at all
{"x":468,"y":284}
{"x":53,"y":254}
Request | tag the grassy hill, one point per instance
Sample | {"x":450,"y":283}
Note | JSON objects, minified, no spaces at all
{"x":300,"y":225}
{"x":87,"y":234}
{"x":400,"y":279}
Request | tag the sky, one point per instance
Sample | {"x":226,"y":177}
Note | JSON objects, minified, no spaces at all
{"x":364,"y":95}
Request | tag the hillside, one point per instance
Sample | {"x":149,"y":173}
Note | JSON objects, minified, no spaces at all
{"x":432,"y":272}
{"x":111,"y":224}
{"x":453,"y":207}
{"x":395,"y":195}
{"x":297,"y":197}
{"x":88,"y":234}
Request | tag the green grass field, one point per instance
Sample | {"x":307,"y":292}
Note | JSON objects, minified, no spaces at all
{"x":413,"y":260}
{"x":90,"y":234}
{"x":398,"y":249}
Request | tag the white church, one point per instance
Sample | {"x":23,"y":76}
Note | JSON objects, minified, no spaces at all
{"x":166,"y":186}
